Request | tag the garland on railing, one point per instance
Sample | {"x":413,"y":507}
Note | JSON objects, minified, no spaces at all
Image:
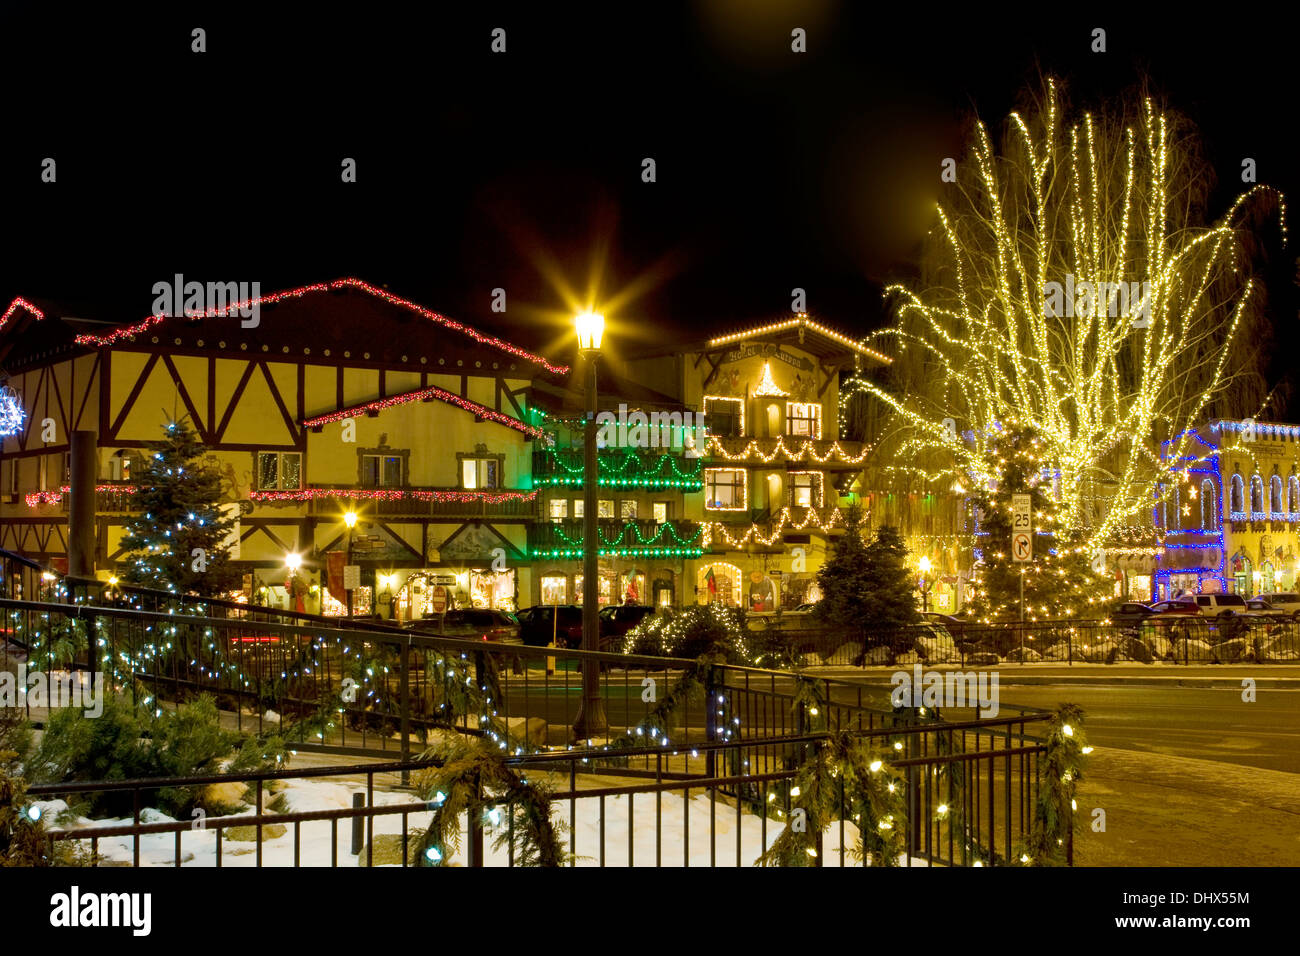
{"x":1054,"y":812}
{"x":474,"y":779}
{"x":844,"y":770}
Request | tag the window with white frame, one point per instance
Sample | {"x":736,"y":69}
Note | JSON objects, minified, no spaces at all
{"x":381,"y":471}
{"x":559,"y":508}
{"x":480,"y":473}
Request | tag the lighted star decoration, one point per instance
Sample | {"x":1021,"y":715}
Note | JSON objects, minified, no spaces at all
{"x":986,"y":337}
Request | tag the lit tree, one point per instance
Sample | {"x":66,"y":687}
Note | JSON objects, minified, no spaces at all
{"x":1059,"y":582}
{"x":1072,"y":284}
{"x":175,"y":541}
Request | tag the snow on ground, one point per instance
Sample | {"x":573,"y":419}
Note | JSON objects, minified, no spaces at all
{"x":680,"y":846}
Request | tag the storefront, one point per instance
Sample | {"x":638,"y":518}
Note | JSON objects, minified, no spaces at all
{"x":472,"y":588}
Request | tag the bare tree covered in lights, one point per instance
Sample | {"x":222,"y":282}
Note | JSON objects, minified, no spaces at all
{"x":1102,"y":376}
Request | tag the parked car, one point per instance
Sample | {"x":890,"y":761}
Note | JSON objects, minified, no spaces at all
{"x":807,"y":607}
{"x":1220,"y":605}
{"x":537,"y":625}
{"x":1165,"y":612}
{"x":488,"y":624}
{"x":1288,"y":601}
{"x":617,"y":619}
{"x":1260,"y":609}
{"x":1128,"y":613}
{"x":954,"y":624}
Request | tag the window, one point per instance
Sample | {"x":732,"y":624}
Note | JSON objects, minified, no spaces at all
{"x":661,"y":511}
{"x":1256,"y":496}
{"x":803,"y":419}
{"x":381,"y":471}
{"x":605,"y":508}
{"x":1237,"y":497}
{"x":480,"y":472}
{"x":578,"y":505}
{"x":554,"y":588}
{"x":724,"y":417}
{"x":806,"y":489}
{"x":279,"y":470}
{"x":725,"y":489}
{"x":119,"y":466}
{"x":1275,"y":496}
{"x":559,"y":509}
{"x":627,"y":509}
{"x":1209,"y":517}
{"x":1293,"y":494}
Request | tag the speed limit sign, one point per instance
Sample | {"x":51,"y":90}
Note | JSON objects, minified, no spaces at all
{"x":1022,"y":528}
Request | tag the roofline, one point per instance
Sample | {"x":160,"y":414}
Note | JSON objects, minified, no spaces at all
{"x":130,"y":331}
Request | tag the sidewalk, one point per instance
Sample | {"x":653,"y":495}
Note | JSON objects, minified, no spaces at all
{"x":1270,"y":676}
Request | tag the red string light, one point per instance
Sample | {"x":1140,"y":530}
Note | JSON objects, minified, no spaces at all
{"x":394,"y":494}
{"x":130,"y":331}
{"x":433,"y":391}
{"x":34,"y":498}
{"x":14,"y":306}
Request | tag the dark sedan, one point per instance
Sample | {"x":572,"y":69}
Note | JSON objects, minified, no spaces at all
{"x":563,"y":622}
{"x":1131,"y":612}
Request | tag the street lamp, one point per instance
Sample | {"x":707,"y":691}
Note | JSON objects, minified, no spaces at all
{"x":924,"y":565}
{"x":591,"y":714}
{"x":349,"y":519}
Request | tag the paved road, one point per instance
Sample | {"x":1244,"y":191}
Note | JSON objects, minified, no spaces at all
{"x":1203,"y":723}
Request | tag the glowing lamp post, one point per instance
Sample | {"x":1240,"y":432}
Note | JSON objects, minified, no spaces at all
{"x":591,"y":715}
{"x":924,"y":565}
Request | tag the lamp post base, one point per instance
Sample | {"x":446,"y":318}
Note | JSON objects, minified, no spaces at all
{"x":591,"y":721}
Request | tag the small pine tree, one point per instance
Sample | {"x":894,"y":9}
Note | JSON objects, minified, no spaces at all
{"x":1059,"y":582}
{"x":843,"y":577}
{"x":890,"y":595}
{"x":175,"y":541}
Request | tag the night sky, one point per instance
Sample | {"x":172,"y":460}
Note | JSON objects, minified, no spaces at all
{"x":522,"y":170}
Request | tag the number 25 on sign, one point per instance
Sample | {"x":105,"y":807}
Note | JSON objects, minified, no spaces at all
{"x":1022,"y":528}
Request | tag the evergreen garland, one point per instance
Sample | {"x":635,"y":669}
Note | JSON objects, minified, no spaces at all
{"x":473,"y":778}
{"x":1054,"y":811}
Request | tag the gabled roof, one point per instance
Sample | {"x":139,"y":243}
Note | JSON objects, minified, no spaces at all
{"x":343,"y":316}
{"x":799,"y":330}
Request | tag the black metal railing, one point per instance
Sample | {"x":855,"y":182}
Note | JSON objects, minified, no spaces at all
{"x":970,"y":790}
{"x":1193,"y":640}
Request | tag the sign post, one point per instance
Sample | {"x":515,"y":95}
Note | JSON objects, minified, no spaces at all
{"x":351,"y":582}
{"x":1022,"y":538}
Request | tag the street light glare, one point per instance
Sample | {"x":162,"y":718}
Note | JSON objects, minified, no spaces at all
{"x":350,"y":519}
{"x":924,"y":564}
{"x":293,"y":561}
{"x":591,"y":328}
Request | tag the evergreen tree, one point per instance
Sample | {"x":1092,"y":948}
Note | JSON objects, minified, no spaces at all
{"x":175,"y":541}
{"x":843,"y":576}
{"x":889,"y":598}
{"x":1059,"y":581}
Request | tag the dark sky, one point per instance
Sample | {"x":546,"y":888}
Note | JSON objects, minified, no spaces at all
{"x":522,"y":170}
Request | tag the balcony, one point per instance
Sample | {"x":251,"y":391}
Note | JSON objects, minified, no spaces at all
{"x":644,"y":468}
{"x":635,"y":538}
{"x":763,"y":528}
{"x":816,"y":454}
{"x":416,"y":503}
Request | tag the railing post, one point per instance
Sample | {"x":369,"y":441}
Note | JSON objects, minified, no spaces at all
{"x":475,"y":847}
{"x":358,"y":823}
{"x":405,"y":670}
{"x":710,"y":718}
